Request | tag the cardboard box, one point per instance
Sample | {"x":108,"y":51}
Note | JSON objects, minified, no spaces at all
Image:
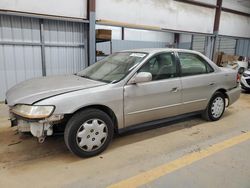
{"x":218,"y":57}
{"x":103,"y":34}
{"x":221,"y":58}
{"x":229,"y":58}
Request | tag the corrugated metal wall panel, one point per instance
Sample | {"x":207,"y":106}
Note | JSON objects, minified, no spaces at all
{"x":20,"y":49}
{"x":246,"y":47}
{"x":64,"y":60}
{"x":185,"y":45}
{"x":118,"y":45}
{"x":63,"y":32}
{"x":243,"y":47}
{"x":68,"y":58}
{"x":19,"y":29}
{"x":199,"y":43}
{"x":226,"y":45}
{"x":145,"y":35}
{"x":18,"y":62}
{"x":185,"y":41}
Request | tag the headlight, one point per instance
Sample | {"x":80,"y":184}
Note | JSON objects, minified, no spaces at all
{"x":245,"y":75}
{"x":32,"y":111}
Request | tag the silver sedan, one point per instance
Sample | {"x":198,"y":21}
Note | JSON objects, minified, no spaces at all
{"x":126,"y":90}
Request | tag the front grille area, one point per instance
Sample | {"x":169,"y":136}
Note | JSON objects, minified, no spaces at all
{"x":248,"y":81}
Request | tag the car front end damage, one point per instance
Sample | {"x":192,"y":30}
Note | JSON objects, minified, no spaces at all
{"x":38,"y":120}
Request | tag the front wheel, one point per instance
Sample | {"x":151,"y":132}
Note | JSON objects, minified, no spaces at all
{"x":88,"y":132}
{"x":215,"y":108}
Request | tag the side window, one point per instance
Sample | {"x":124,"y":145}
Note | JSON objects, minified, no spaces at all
{"x":161,"y":66}
{"x":192,"y":64}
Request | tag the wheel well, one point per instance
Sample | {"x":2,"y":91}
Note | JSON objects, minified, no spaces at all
{"x":105,"y":109}
{"x":224,"y":92}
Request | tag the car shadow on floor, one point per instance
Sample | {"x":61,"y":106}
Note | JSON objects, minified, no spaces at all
{"x":16,"y":147}
{"x":24,"y":147}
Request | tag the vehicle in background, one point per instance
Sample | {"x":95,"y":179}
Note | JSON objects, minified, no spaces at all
{"x":245,"y":80}
{"x":242,"y":64}
{"x":126,"y":90}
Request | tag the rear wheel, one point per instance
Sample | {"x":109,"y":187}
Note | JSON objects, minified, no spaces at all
{"x":215,"y":108}
{"x":88,"y":132}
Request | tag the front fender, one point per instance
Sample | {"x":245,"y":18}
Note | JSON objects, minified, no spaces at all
{"x":69,"y":103}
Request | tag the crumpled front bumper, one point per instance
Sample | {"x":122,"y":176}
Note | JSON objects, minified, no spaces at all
{"x":233,"y":95}
{"x":38,"y":128}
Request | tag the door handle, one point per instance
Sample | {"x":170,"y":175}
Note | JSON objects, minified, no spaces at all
{"x":175,"y":89}
{"x":211,"y":83}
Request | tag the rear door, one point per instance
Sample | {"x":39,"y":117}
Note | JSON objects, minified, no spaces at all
{"x":197,"y":80}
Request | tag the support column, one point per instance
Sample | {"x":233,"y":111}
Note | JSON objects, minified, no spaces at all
{"x":42,"y":47}
{"x":123,"y":33}
{"x":236,"y":46}
{"x":192,"y":42}
{"x":91,"y":32}
{"x":176,"y":39}
{"x":209,"y":47}
{"x":216,"y":25}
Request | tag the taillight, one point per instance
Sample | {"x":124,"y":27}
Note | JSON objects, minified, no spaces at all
{"x":238,"y":78}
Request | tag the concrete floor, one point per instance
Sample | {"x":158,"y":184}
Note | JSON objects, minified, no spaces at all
{"x":25,"y":163}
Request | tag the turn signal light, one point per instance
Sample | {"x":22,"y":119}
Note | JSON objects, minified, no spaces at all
{"x":238,"y":78}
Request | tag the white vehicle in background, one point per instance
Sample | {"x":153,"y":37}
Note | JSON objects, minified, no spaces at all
{"x":245,"y":80}
{"x":242,"y":64}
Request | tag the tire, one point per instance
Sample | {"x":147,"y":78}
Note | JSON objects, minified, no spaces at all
{"x":88,"y":132}
{"x":212,"y":112}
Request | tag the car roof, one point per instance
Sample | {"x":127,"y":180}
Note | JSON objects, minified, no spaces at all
{"x":152,"y":51}
{"x":157,"y":50}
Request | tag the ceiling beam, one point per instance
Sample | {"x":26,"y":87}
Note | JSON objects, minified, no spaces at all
{"x":207,"y":5}
{"x":235,"y":11}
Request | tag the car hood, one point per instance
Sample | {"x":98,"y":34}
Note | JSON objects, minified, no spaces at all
{"x":30,"y":91}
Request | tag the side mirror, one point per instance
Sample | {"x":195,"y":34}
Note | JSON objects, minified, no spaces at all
{"x":141,"y":77}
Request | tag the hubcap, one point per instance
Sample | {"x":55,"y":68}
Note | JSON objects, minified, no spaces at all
{"x":217,"y":107}
{"x":91,"y":135}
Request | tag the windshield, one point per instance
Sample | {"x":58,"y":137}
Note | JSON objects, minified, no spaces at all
{"x":114,"y":67}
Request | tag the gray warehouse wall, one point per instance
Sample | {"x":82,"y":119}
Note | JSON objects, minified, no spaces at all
{"x":118,"y":45}
{"x":243,"y":47}
{"x":21,"y":54}
{"x":64,"y":49}
{"x":226,"y":45}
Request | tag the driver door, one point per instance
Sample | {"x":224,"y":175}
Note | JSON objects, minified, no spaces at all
{"x":156,"y":99}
